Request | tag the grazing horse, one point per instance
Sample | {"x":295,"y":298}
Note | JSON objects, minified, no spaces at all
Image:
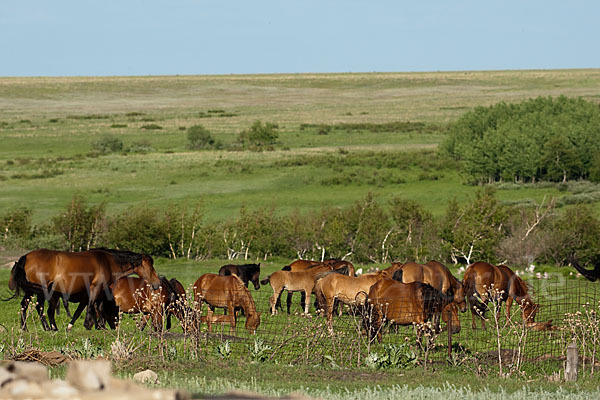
{"x":483,"y":280}
{"x":225,"y":292}
{"x":303,"y":281}
{"x":246,"y":272}
{"x":351,"y":290}
{"x":134,"y":295}
{"x":439,"y":276}
{"x":399,"y":304}
{"x":303,"y":265}
{"x":44,"y":272}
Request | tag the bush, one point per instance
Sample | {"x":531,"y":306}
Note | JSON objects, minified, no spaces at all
{"x":107,"y":144}
{"x":259,"y":135}
{"x":80,"y":225}
{"x":141,"y":229}
{"x":200,"y":138}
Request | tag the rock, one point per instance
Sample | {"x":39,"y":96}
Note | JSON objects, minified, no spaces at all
{"x":28,"y":370}
{"x":6,"y":376}
{"x":59,"y":389}
{"x":22,"y":388}
{"x":89,"y":375}
{"x":146,"y":376}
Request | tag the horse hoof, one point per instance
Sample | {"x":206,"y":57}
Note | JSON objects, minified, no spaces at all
{"x":69,"y":327}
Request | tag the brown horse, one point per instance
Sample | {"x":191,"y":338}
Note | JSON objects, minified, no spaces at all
{"x":134,"y":295}
{"x":482,"y":281}
{"x":303,"y":265}
{"x":351,"y":290}
{"x":399,"y":304}
{"x":303,"y":281}
{"x":437,"y":275}
{"x":225,"y":292}
{"x":44,"y":272}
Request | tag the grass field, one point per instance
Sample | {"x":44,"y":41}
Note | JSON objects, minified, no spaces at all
{"x":48,"y":125}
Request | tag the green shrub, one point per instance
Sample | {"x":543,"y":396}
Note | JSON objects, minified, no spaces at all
{"x":150,"y":127}
{"x":107,"y":144}
{"x":259,"y":135}
{"x":200,"y":138}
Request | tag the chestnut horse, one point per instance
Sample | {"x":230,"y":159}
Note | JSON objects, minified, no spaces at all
{"x":439,"y":276}
{"x":399,"y":303}
{"x":303,"y":281}
{"x":225,"y":292}
{"x":47,"y":272}
{"x":134,"y":295}
{"x":483,"y":280}
{"x":246,"y":272}
{"x":303,"y":265}
{"x":351,"y":290}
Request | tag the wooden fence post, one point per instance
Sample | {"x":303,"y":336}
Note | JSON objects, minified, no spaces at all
{"x":572,"y":361}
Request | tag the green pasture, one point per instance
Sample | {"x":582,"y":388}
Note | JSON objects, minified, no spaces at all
{"x":48,"y":125}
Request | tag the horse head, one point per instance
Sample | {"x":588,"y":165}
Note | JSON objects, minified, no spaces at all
{"x":530,"y":309}
{"x":146,"y":271}
{"x":253,"y":321}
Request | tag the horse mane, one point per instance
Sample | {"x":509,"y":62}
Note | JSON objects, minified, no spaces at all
{"x":125,"y":257}
{"x":524,"y":287}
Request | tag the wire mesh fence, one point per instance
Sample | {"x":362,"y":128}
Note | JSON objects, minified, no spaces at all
{"x":567,"y":313}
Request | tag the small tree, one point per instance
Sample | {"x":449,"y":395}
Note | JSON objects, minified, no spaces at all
{"x":259,"y":135}
{"x":107,"y":144}
{"x":200,"y":138}
{"x":80,"y":224}
{"x":474,"y":230}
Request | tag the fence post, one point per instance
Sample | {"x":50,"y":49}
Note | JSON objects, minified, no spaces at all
{"x":449,"y":326}
{"x":572,"y":361}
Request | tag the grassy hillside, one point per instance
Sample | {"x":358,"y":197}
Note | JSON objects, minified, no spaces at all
{"x":47,"y":126}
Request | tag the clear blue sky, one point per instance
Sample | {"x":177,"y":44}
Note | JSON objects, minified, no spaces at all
{"x":151,"y":37}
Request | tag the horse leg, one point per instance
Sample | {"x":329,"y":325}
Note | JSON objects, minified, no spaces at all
{"x":233,"y":319}
{"x":303,"y":303}
{"x":329,"y":304}
{"x":306,"y":304}
{"x":53,"y":304}
{"x":289,"y":301}
{"x":76,"y":315}
{"x":24,"y":307}
{"x":209,"y":317}
{"x":91,"y":310}
{"x":169,"y":313}
{"x":65,"y":301}
{"x":39,"y":307}
{"x":509,"y":302}
{"x":273,"y":300}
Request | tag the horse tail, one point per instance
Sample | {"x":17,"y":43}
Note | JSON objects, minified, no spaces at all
{"x":398,"y":275}
{"x":286,"y":268}
{"x":18,"y":277}
{"x":432,"y":299}
{"x":321,"y":304}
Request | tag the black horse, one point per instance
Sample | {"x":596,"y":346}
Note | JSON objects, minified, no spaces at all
{"x":246,"y":272}
{"x":589,"y":274}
